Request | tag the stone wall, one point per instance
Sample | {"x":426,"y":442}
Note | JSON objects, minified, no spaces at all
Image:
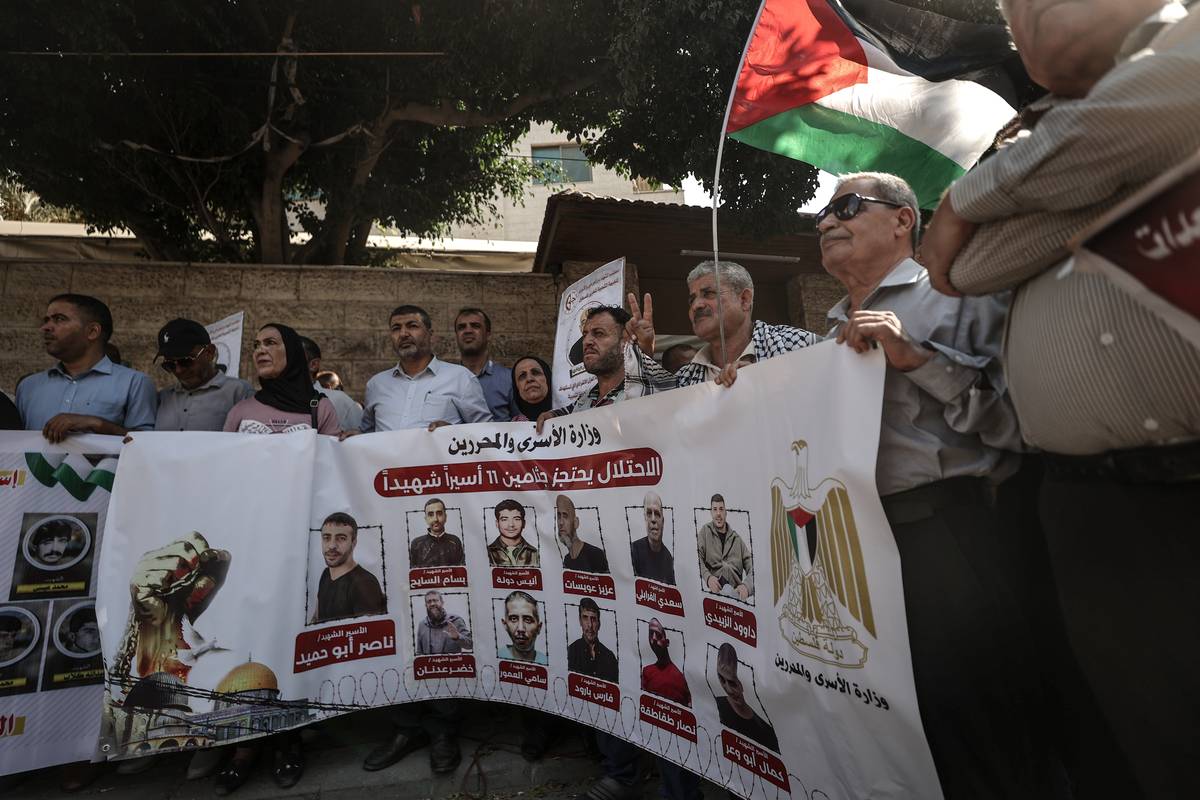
{"x":345,"y":309}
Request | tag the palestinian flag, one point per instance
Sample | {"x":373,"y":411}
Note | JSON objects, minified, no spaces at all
{"x":872,"y":92}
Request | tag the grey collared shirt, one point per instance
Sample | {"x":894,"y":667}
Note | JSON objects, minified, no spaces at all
{"x":433,"y":640}
{"x":203,"y":408}
{"x":951,"y":416}
{"x":448,"y":392}
{"x":349,"y":412}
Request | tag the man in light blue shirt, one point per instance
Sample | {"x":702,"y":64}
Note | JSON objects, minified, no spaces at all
{"x":84,"y":392}
{"x":421,"y":391}
{"x":472,"y":332}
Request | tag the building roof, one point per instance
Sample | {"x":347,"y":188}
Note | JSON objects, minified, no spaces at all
{"x":248,"y":677}
{"x":583,"y":227}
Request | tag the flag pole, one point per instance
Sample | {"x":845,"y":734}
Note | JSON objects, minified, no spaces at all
{"x":716,"y":193}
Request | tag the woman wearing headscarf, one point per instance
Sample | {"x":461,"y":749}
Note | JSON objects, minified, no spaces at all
{"x":287,"y":400}
{"x":531,"y":385}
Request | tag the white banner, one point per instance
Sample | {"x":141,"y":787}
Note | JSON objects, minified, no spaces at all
{"x":252,"y":584}
{"x":53,"y":504}
{"x":604,"y":286}
{"x":226,"y":335}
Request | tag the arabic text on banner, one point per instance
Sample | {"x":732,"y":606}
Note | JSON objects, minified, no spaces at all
{"x":588,"y":571}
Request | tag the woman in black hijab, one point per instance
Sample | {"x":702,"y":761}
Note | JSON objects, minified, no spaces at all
{"x":287,"y":400}
{"x":531,"y":388}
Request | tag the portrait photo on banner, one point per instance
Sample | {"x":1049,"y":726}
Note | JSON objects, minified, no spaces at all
{"x":347,"y":570}
{"x":735,"y":691}
{"x":662,"y":656}
{"x":651,"y":529}
{"x":520,"y":624}
{"x":22,"y":636}
{"x":512,"y":534}
{"x":73,"y":656}
{"x":55,"y":557}
{"x":435,"y":535}
{"x":580,"y":536}
{"x":441,"y":622}
{"x":725,"y":550}
{"x":592,"y":640}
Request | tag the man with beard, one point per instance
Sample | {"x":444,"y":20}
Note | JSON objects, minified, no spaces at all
{"x":523,"y":622}
{"x":51,"y":541}
{"x":440,"y":633}
{"x":421,"y":391}
{"x":579,"y":554}
{"x":726,"y":564}
{"x":651,"y":558}
{"x":435,"y":548}
{"x":620,"y":374}
{"x":345,"y":588}
{"x":587,"y":654}
{"x":509,"y":548}
{"x":665,"y":679}
{"x":736,"y":714}
{"x":472,"y":332}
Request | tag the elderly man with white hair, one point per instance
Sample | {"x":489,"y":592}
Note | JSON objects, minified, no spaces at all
{"x":747,"y":340}
{"x":946,"y":439}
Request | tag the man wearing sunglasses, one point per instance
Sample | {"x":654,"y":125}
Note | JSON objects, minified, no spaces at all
{"x":202,"y":395}
{"x":946,"y":439}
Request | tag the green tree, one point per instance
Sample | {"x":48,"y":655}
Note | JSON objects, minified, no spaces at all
{"x":209,"y":157}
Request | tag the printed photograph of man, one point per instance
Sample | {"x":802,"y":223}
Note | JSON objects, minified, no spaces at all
{"x":440,"y":632}
{"x":726,"y":564}
{"x":75,"y":658}
{"x":522,"y":620}
{"x":587,"y":654}
{"x":56,"y":542}
{"x":509,"y":548}
{"x":662,"y":677}
{"x":20,"y":652}
{"x":577,"y":554}
{"x":735,"y":712}
{"x":78,"y":633}
{"x":651,"y":558}
{"x":56,"y":554}
{"x":345,"y":589}
{"x":435,"y":547}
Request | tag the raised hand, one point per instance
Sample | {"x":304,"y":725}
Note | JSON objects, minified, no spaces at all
{"x":641,"y":325}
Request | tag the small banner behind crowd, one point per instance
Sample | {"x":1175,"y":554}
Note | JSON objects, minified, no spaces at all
{"x":53,"y":502}
{"x":707,"y":573}
{"x":603,"y":286}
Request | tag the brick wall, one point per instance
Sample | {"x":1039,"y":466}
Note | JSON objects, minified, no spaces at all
{"x":344,"y":309}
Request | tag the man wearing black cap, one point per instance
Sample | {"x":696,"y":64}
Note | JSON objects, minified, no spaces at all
{"x":203,"y":394}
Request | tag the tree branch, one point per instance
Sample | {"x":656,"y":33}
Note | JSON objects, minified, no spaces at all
{"x":442,"y":115}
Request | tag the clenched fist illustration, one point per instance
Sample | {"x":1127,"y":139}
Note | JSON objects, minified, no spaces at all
{"x":170,"y":583}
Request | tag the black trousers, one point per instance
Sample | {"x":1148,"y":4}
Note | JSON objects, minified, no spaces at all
{"x":436,"y":717}
{"x":1125,"y":560}
{"x":972,"y":653}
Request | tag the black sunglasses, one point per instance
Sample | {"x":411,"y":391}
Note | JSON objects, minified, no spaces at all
{"x":848,"y":205}
{"x":171,"y":364}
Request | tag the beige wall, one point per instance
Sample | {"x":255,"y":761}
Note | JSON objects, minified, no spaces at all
{"x":343,"y":308}
{"x":514,"y":221}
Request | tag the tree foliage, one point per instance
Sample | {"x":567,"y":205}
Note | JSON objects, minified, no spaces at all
{"x":209,"y":158}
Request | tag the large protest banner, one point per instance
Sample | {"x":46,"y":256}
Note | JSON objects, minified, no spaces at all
{"x":705,"y":572}
{"x":53,"y":503}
